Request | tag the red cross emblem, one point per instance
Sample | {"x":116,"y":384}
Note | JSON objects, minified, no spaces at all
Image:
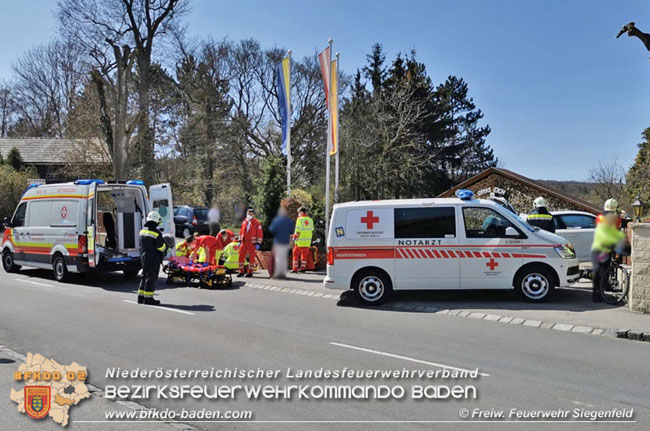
{"x":492,"y":264}
{"x":306,"y":222}
{"x":64,"y":212}
{"x":370,"y":219}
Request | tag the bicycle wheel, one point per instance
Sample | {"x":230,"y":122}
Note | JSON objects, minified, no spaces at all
{"x":619,"y":283}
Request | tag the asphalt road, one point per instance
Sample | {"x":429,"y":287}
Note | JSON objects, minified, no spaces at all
{"x":96,"y":323}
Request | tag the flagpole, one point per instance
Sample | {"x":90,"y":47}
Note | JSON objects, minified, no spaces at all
{"x":289,"y":133}
{"x":327,"y":151}
{"x":338,"y":144}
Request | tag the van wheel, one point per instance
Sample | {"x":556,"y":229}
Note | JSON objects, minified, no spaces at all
{"x":59,"y":268}
{"x":372,"y":286}
{"x":534,"y":283}
{"x":8,"y":262}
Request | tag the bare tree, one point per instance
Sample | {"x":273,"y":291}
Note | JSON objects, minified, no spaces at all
{"x":119,"y":34}
{"x":609,"y":179}
{"x":48,"y":78}
{"x":7,"y":109}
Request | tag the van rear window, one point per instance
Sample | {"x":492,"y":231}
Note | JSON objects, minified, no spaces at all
{"x":437,"y":222}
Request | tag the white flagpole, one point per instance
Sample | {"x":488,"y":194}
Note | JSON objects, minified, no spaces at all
{"x":327,"y":149}
{"x":289,"y":133}
{"x":338,"y":144}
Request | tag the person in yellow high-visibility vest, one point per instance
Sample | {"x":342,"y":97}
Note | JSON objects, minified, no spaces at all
{"x":230,"y":255}
{"x":302,"y":239}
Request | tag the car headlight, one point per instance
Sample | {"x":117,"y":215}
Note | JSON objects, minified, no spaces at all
{"x":565,"y":251}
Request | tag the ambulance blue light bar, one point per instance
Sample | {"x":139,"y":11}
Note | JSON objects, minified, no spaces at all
{"x":88,"y":181}
{"x":464,"y":194}
{"x":135,"y":182}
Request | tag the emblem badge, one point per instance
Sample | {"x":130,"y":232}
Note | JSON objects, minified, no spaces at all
{"x":37,"y":401}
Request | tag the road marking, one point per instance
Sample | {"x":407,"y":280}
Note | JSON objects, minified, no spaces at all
{"x":160,"y":307}
{"x":406,"y":358}
{"x":33,"y":282}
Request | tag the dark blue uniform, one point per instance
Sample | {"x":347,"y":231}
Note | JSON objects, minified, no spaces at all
{"x":152,"y":249}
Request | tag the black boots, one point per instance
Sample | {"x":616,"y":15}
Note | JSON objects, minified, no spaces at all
{"x":140,"y":299}
{"x":151,"y":301}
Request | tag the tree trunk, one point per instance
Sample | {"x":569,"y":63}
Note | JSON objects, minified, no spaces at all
{"x":145,"y":139}
{"x":120,"y":151}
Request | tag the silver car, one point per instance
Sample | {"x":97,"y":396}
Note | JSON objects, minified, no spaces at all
{"x":578,"y":228}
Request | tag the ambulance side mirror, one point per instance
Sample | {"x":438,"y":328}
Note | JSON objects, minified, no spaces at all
{"x":511,"y":232}
{"x":6,"y":222}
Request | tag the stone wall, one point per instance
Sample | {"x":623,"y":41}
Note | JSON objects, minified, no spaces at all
{"x":518,"y":194}
{"x":639,"y":296}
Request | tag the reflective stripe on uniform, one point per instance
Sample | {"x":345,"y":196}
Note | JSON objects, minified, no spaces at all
{"x":162,"y":247}
{"x":148,"y":294}
{"x":150,"y":233}
{"x":141,"y":292}
{"x":540,"y":216}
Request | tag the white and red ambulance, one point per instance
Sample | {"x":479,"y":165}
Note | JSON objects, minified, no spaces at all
{"x":375,"y":247}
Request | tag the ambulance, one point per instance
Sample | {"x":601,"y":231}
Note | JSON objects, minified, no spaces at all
{"x":376,"y":247}
{"x":83,"y":225}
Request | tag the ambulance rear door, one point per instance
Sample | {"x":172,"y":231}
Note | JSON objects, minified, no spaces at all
{"x":91,"y":224}
{"x":160,"y":200}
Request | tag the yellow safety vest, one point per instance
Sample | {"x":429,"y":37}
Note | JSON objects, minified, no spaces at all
{"x":183,"y":249}
{"x":231,"y":255}
{"x":304,"y":230}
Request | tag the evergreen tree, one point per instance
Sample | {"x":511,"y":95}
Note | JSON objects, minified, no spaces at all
{"x":14,"y":159}
{"x":638,"y":177}
{"x":375,"y":71}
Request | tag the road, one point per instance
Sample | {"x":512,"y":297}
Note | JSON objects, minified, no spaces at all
{"x":95,"y":322}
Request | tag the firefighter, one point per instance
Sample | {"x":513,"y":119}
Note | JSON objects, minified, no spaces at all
{"x":302,"y":238}
{"x":185,"y":248}
{"x":606,"y":237}
{"x":251,"y":240}
{"x":230,"y":256}
{"x":152,"y":251}
{"x":540,"y":216}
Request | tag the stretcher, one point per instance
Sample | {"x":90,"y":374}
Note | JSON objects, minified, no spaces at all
{"x":173,"y":269}
{"x":207,"y":276}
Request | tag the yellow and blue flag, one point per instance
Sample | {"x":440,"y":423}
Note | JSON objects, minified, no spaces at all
{"x":284,"y":100}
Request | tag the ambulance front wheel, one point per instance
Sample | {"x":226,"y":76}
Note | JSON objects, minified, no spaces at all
{"x":535,"y":283}
{"x":372,"y":286}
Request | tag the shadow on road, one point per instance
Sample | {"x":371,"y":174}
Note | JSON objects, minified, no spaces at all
{"x":572,"y":299}
{"x":202,"y":307}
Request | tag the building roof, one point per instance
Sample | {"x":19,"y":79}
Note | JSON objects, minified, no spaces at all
{"x":586,"y":206}
{"x":45,"y":151}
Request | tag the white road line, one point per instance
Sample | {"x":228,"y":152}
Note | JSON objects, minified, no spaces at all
{"x":406,"y":358}
{"x":33,"y":282}
{"x":158,"y":307}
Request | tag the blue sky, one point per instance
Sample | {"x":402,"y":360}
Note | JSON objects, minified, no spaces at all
{"x":558,"y":90}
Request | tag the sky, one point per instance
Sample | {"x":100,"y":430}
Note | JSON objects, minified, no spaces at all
{"x":559,"y":91}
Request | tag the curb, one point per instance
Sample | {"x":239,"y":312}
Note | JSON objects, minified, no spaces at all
{"x":625,"y":334}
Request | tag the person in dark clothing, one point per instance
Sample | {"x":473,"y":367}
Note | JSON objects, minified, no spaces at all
{"x":152,"y":251}
{"x":540,"y":216}
{"x":281,"y":228}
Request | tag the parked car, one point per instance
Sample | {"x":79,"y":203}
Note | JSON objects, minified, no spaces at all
{"x":578,"y":228}
{"x":189,"y":219}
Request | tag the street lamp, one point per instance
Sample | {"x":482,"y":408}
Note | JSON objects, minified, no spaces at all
{"x":637,"y":206}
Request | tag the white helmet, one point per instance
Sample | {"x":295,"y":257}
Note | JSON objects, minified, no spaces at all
{"x":540,"y":202}
{"x":611,"y":205}
{"x":155,"y":217}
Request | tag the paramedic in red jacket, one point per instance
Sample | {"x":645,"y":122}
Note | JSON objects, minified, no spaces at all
{"x":251,"y":239}
{"x":225,"y":237}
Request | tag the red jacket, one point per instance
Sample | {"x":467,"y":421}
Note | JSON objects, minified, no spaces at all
{"x":230,"y":235}
{"x":252,"y":235}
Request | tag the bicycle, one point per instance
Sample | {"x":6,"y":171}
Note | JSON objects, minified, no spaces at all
{"x":618,"y":281}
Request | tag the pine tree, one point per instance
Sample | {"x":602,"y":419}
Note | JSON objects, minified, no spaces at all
{"x":638,"y":177}
{"x":14,"y":159}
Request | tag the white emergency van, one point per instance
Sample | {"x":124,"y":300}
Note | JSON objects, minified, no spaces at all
{"x":83,"y":225}
{"x":375,"y":247}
